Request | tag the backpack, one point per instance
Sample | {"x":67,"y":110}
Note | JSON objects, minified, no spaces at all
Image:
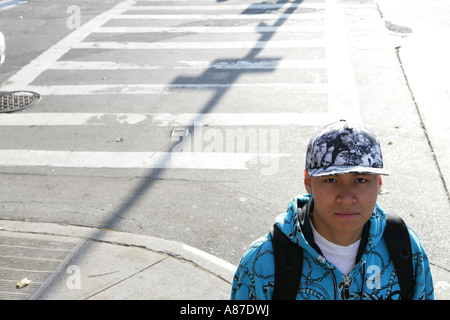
{"x":289,"y":260}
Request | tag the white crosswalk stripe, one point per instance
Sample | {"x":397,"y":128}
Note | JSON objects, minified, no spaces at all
{"x":163,"y":119}
{"x":127,"y":160}
{"x":255,"y":6}
{"x":161,"y":89}
{"x":199,"y":45}
{"x":237,"y":65}
{"x":216,"y":16}
{"x":8,"y":4}
{"x":206,"y":30}
{"x":176,"y":28}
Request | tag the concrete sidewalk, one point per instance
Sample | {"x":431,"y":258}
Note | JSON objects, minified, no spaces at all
{"x":422,"y":29}
{"x":67,"y":262}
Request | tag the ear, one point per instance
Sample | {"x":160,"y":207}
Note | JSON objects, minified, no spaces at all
{"x":380,"y":183}
{"x":307,"y":182}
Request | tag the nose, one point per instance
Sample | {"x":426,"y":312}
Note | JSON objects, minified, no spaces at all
{"x":346,"y":197}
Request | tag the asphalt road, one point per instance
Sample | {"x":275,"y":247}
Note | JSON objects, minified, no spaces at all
{"x":122,"y":82}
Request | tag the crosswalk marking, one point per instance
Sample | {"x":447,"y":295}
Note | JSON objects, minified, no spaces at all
{"x":128,"y":160}
{"x":265,"y":64}
{"x":164,"y":119}
{"x":343,"y":96}
{"x":262,"y":16}
{"x":164,"y":89}
{"x":323,"y":22}
{"x":8,"y":4}
{"x":199,"y":45}
{"x":209,"y":29}
{"x":101,"y":65}
{"x":180,"y":65}
{"x":240,"y":119}
{"x":254,"y":6}
{"x":31,"y":71}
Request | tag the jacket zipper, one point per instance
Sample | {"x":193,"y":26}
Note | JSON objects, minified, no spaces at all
{"x":347,"y":281}
{"x":346,"y":287}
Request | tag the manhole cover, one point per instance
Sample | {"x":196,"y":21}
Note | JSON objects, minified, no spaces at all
{"x":17,"y":100}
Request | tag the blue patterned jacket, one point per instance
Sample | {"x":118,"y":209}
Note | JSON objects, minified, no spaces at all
{"x":372,"y":278}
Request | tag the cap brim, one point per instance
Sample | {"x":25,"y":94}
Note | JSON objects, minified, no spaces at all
{"x":337,"y":170}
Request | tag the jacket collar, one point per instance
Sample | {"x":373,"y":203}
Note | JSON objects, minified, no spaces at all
{"x":304,"y":211}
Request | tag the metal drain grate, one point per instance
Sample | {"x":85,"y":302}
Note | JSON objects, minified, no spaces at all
{"x":29,"y":256}
{"x":17,"y":100}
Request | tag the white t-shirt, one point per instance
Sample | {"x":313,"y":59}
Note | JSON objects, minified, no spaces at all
{"x":342,"y":257}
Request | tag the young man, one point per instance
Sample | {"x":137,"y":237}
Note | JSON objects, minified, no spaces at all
{"x":339,"y":226}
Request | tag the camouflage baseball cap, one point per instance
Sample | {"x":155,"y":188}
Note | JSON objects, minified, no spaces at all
{"x":344,"y":147}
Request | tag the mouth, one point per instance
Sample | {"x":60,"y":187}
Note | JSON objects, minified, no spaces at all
{"x":347,"y":215}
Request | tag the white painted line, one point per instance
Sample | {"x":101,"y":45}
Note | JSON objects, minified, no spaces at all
{"x":161,"y":89}
{"x":163,"y":119}
{"x":240,"y":119}
{"x":200,"y":45}
{"x":226,"y":30}
{"x":70,"y":119}
{"x":183,"y":65}
{"x":31,"y":71}
{"x":216,"y":7}
{"x":264,"y":16}
{"x":263,"y":64}
{"x":46,"y":119}
{"x":8,"y":4}
{"x":128,"y":160}
{"x":101,"y":65}
{"x":343,"y":96}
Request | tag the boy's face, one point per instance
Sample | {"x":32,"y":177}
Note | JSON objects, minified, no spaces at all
{"x":343,"y":204}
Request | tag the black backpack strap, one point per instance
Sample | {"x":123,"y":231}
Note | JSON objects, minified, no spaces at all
{"x":396,"y":236}
{"x":288,"y":265}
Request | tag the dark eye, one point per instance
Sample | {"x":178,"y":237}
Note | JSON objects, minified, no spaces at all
{"x":330,"y":180}
{"x":361,"y":180}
